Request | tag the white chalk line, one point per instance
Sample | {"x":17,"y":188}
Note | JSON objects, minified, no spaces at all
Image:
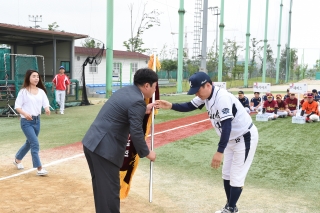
{"x":80,"y":155}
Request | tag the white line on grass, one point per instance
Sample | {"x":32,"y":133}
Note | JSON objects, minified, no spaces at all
{"x":80,"y":155}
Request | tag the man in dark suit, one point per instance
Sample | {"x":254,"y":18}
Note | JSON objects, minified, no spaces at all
{"x":105,"y":142}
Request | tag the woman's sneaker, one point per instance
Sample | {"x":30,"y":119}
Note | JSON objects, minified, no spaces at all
{"x":18,"y":165}
{"x":42,"y":172}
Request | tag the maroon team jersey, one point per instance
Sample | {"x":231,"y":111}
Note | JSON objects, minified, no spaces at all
{"x":270,"y":106}
{"x":282,"y":105}
{"x":292,"y":103}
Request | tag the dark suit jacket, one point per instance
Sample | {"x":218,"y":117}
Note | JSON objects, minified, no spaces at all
{"x":120,"y":116}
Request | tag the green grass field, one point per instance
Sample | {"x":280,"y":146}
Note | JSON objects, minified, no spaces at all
{"x":287,"y":158}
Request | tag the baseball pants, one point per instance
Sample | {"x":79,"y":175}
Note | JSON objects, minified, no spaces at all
{"x":238,"y":157}
{"x":60,"y":98}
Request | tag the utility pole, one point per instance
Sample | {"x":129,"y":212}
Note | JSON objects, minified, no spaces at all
{"x":203,"y":64}
{"x":288,"y":46}
{"x":35,"y":19}
{"x":221,"y":26}
{"x":265,"y":44}
{"x":279,"y":45}
{"x":246,"y":69}
{"x":216,"y":13}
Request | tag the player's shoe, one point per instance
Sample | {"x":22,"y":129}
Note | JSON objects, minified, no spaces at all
{"x":227,"y":209}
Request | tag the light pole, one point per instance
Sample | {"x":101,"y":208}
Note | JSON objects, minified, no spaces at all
{"x":35,"y":19}
{"x":216,"y":13}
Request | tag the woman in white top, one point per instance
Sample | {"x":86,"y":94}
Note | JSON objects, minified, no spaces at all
{"x":31,"y":98}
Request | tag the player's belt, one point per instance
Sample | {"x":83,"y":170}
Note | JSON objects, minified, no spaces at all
{"x":250,"y":126}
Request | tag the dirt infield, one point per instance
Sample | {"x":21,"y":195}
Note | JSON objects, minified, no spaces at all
{"x":67,"y":188}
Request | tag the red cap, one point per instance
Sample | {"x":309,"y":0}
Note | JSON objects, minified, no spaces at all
{"x":269,"y":95}
{"x":310,"y":95}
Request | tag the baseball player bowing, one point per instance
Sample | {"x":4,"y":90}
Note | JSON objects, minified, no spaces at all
{"x":238,"y":135}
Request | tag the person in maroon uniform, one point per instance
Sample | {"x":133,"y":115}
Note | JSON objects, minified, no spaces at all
{"x":282,"y":107}
{"x":270,"y":107}
{"x":305,"y":96}
{"x":292,"y":102}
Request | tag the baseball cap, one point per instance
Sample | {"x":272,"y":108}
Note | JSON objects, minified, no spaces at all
{"x":269,"y":95}
{"x":240,"y":92}
{"x":196,"y":81}
{"x":61,"y":67}
{"x":314,"y":90}
{"x":278,"y":96}
{"x":310,"y":95}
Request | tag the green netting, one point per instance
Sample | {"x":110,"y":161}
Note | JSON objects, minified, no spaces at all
{"x":22,"y":64}
{"x":2,"y":68}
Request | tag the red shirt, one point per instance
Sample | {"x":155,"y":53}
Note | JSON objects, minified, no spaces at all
{"x":292,"y":103}
{"x":282,"y":105}
{"x":270,"y":106}
{"x":61,"y":81}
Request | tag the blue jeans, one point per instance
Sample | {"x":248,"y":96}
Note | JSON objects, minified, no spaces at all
{"x":31,"y":130}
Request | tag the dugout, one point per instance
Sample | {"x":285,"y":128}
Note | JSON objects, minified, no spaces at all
{"x":56,"y":47}
{"x":51,"y":48}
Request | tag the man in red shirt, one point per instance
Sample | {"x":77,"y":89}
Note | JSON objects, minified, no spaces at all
{"x":270,"y":107}
{"x":292,"y":102}
{"x":61,"y":82}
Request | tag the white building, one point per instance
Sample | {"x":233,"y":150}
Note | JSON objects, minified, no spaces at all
{"x":130,"y":62}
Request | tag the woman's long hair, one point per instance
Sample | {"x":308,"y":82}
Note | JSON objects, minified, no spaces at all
{"x":26,"y":82}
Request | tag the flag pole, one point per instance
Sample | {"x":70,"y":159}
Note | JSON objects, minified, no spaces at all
{"x":152,"y":131}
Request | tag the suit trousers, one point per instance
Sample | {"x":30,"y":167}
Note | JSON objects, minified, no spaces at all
{"x":105,"y":183}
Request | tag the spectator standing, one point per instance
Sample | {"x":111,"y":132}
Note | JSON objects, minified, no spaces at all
{"x":62,"y":83}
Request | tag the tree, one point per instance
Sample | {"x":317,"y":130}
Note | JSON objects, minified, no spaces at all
{"x":163,"y":52}
{"x":293,"y":60}
{"x":270,"y":61}
{"x":90,"y":43}
{"x":237,"y":70}
{"x":169,"y":65}
{"x":54,"y":26}
{"x":231,"y":54}
{"x":212,"y":57}
{"x":254,"y":49}
{"x":148,"y":20}
{"x":282,"y":66}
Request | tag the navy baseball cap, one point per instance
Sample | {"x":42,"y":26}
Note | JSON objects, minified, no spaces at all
{"x":61,"y":67}
{"x":197,"y":80}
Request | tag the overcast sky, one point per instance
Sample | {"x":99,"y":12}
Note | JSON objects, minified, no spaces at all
{"x":89,"y":17}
